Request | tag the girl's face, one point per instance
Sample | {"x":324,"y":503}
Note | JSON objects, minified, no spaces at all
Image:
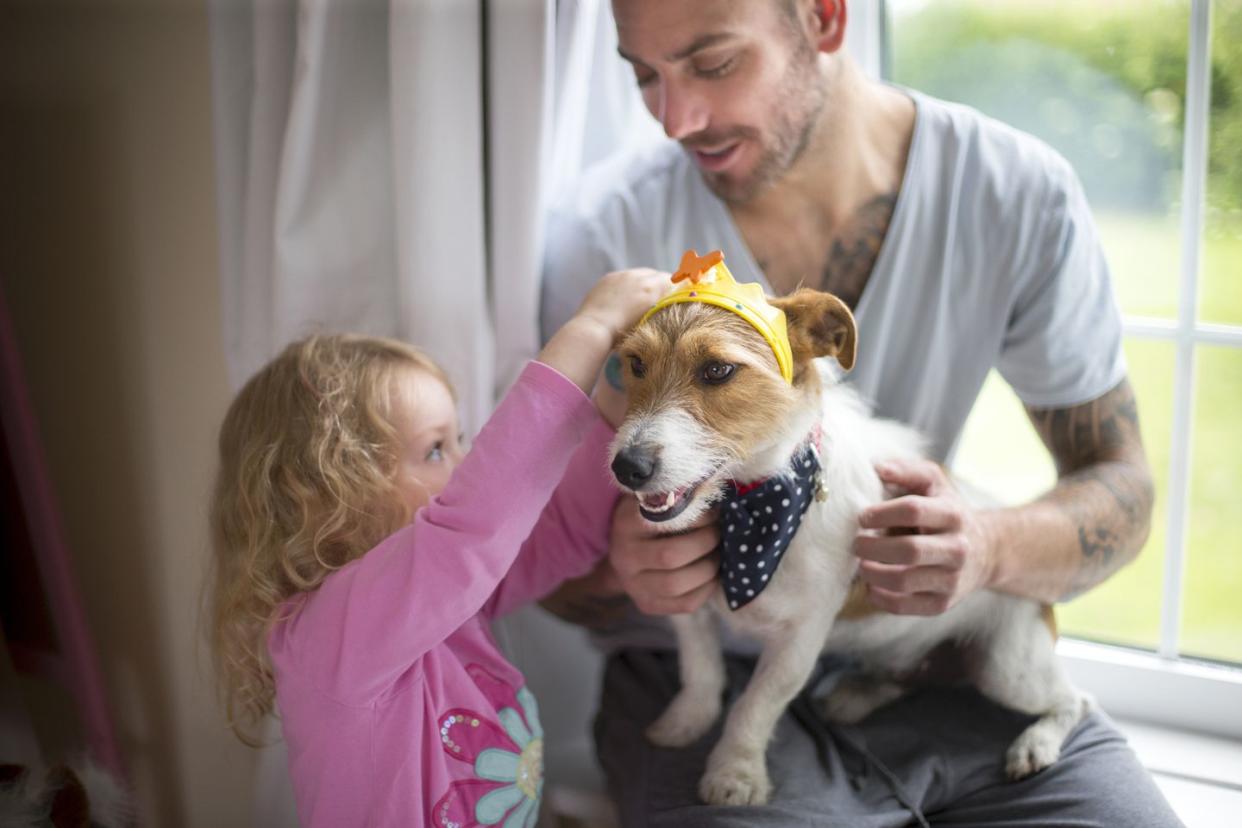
{"x":425,"y":416}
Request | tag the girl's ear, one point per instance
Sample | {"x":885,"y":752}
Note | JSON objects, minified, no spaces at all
{"x":819,"y":325}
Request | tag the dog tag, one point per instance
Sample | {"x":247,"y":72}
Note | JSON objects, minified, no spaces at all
{"x":821,"y":488}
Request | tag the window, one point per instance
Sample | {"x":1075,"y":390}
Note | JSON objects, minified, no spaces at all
{"x":1145,"y":100}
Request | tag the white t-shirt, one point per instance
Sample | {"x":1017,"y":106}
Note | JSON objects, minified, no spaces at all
{"x":991,"y":259}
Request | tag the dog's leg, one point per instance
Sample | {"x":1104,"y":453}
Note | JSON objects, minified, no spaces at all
{"x":858,"y":696}
{"x":1021,"y":671}
{"x":696,"y":706}
{"x":736,"y":769}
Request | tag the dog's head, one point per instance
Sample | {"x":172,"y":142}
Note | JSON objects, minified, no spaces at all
{"x":707,"y":402}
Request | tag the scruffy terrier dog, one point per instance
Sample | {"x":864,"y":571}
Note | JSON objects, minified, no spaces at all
{"x":712,"y":421}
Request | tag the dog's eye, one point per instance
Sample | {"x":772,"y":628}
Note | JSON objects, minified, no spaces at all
{"x":715,"y":373}
{"x":637,"y":368}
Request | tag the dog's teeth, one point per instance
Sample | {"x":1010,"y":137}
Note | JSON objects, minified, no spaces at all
{"x":654,"y":508}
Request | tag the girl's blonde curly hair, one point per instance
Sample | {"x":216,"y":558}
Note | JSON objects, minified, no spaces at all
{"x":306,"y":484}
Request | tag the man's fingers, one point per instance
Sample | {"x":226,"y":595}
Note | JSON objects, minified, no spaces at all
{"x":915,"y":476}
{"x":664,"y":573}
{"x":913,"y":512}
{"x":668,"y":552}
{"x":921,"y":603}
{"x":909,"y":580}
{"x":680,"y":605}
{"x":678,"y":582}
{"x":671,"y":593}
{"x":911,"y":550}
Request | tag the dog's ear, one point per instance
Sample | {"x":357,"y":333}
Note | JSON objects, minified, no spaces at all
{"x":819,"y":325}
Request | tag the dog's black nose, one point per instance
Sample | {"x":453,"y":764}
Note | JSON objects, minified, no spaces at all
{"x":634,"y":466}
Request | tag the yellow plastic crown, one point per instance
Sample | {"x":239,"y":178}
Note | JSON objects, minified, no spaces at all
{"x":706,"y":279}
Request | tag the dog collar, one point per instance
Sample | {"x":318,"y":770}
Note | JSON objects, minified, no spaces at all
{"x":706,"y":279}
{"x":758,"y":520}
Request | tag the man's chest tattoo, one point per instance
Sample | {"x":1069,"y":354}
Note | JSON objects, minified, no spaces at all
{"x":854,"y":252}
{"x":847,"y":264}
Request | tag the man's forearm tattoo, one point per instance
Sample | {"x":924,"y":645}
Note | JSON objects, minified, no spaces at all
{"x":854,"y":251}
{"x":1104,"y":488}
{"x":574,"y":604}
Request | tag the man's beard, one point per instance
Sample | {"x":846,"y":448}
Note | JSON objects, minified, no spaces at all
{"x":800,"y":100}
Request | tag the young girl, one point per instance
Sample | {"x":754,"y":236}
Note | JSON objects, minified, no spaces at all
{"x":369,"y":631}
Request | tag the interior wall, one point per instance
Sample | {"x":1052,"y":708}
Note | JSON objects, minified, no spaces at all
{"x":108,"y":262}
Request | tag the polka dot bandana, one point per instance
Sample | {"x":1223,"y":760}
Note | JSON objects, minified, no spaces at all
{"x":757,"y":522}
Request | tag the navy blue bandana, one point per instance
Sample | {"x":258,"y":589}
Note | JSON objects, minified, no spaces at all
{"x":757,"y":522}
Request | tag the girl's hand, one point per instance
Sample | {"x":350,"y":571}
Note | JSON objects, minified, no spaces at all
{"x":620,"y":299}
{"x":617,"y":301}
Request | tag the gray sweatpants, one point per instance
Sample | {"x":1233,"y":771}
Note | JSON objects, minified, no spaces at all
{"x":934,"y":757}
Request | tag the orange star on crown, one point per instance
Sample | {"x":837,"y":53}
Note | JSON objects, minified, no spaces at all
{"x":693,"y":266}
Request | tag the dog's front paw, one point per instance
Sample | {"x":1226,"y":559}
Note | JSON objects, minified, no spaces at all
{"x":1031,"y":752}
{"x":739,"y":781}
{"x":684,"y":722}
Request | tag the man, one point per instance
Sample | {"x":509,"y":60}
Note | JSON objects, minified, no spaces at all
{"x":960,"y":245}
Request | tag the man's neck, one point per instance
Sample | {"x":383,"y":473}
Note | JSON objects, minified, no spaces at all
{"x":851,"y":167}
{"x":856,"y":150}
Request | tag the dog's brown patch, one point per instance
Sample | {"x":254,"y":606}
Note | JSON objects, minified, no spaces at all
{"x":673,"y":347}
{"x":1049,"y":617}
{"x":819,"y":325}
{"x":857,"y":604}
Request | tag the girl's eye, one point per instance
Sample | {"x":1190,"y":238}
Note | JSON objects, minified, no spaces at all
{"x":718,"y":70}
{"x":715,"y":373}
{"x":437,"y":453}
{"x":637,"y":368}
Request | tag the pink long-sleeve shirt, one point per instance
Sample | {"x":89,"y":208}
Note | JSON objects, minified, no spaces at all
{"x":397,"y":706}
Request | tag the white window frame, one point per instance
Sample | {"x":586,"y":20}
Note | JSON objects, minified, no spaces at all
{"x":1161,"y":687}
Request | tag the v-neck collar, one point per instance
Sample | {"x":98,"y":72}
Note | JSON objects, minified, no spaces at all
{"x":899,"y":210}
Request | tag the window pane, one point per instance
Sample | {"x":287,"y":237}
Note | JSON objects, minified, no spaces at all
{"x":1212,"y":609}
{"x":1221,"y":287}
{"x":1103,"y":83}
{"x":1000,"y":452}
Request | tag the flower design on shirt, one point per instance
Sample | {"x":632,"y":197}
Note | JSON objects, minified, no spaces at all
{"x":507,"y":759}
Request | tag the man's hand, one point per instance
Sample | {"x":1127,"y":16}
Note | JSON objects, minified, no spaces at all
{"x":663,"y":574}
{"x":933,"y":548}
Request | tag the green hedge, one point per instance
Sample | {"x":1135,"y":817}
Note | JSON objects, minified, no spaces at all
{"x":1104,"y":83}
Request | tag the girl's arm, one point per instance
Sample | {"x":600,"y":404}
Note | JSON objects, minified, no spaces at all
{"x":572,"y":533}
{"x":370,"y":621}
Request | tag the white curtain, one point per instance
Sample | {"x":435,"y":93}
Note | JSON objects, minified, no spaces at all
{"x":351,"y":186}
{"x":383,"y":166}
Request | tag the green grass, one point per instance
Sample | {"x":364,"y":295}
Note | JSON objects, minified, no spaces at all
{"x":1000,"y":450}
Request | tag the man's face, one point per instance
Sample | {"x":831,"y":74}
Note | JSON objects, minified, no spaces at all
{"x":735,"y":81}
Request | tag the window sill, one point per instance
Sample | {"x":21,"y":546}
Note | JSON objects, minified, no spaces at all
{"x":1200,"y":775}
{"x":1142,"y":687}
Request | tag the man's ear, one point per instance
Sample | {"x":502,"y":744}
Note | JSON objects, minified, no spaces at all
{"x":830,"y":16}
{"x":819,"y":325}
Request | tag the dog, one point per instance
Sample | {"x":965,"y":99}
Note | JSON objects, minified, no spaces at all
{"x":708,"y":406}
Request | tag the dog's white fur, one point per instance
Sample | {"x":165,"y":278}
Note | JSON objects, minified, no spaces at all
{"x":794,"y":617}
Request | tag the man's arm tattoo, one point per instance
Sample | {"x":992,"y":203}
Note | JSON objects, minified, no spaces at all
{"x":1104,"y":485}
{"x":576,"y":603}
